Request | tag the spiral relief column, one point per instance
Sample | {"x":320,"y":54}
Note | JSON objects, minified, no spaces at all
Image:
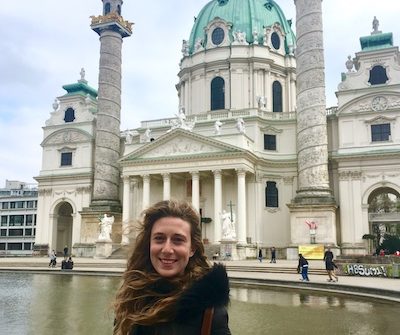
{"x":312,"y":149}
{"x":313,"y":201}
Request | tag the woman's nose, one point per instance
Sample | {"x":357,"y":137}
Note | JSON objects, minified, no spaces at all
{"x":167,"y":247}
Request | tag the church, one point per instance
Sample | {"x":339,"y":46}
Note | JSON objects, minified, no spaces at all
{"x":251,"y":139}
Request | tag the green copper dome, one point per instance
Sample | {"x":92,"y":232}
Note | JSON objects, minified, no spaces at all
{"x":244,"y":15}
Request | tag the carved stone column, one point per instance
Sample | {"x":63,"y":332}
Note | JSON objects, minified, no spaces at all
{"x":166,"y":186}
{"x":312,"y":137}
{"x":195,"y":189}
{"x":241,"y":206}
{"x":126,"y":210}
{"x":217,"y":205}
{"x":146,"y":191}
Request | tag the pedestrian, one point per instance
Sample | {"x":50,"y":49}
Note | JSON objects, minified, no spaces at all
{"x":330,"y":265}
{"x":169,"y":287}
{"x":53,"y":259}
{"x":260,"y":255}
{"x":273,"y":255}
{"x":302,"y":268}
{"x":65,"y":252}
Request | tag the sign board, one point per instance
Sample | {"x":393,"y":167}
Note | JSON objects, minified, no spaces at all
{"x":312,"y":251}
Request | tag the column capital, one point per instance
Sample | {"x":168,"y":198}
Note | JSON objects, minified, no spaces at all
{"x":126,"y":179}
{"x":166,"y":175}
{"x":146,"y":177}
{"x":194,"y":173}
{"x":241,"y":172}
{"x":217,"y":173}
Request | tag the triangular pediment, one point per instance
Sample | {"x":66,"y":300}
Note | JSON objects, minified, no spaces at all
{"x":180,"y":143}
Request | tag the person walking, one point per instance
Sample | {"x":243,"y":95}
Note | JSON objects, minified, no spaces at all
{"x":169,"y":287}
{"x":330,"y":265}
{"x":273,"y":255}
{"x":260,"y":255}
{"x":53,"y":259}
{"x":302,"y":268}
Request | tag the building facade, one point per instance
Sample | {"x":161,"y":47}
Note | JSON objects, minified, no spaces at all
{"x":18,"y":207}
{"x":233,"y":146}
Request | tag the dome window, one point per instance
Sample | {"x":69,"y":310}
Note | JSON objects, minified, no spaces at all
{"x":276,"y":41}
{"x":217,"y":93}
{"x":222,"y":2}
{"x":217,"y":36}
{"x":378,"y":75}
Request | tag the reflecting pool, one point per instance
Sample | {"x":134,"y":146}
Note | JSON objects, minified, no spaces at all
{"x":43,"y":304}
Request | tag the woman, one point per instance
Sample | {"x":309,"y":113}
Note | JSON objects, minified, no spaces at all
{"x":168,"y":284}
{"x":330,"y":265}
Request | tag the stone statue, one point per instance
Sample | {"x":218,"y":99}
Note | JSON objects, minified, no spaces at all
{"x":128,"y":136}
{"x":185,"y":48}
{"x":147,"y":135}
{"x":105,"y":224}
{"x":375,"y":26}
{"x":228,"y":226}
{"x":241,"y":126}
{"x":82,"y":73}
{"x":198,"y":45}
{"x":239,"y":38}
{"x":255,"y":37}
{"x":349,"y":64}
{"x":217,"y":127}
{"x":181,"y":122}
{"x":261,"y":102}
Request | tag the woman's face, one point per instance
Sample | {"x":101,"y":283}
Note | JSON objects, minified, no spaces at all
{"x":170,"y":246}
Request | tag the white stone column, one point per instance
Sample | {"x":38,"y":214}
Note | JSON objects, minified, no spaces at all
{"x":126,"y":210}
{"x":241,"y":206}
{"x":146,"y":191}
{"x":166,"y":186}
{"x":195,"y":189}
{"x":312,"y":139}
{"x":217,"y":205}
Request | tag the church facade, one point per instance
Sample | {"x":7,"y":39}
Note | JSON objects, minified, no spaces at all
{"x":236,"y":144}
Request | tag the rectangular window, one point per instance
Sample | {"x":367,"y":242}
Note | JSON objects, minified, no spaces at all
{"x":27,"y":246}
{"x":66,"y":159}
{"x":271,"y":194}
{"x":3,"y":232}
{"x":20,"y":204}
{"x":29,"y":220}
{"x":4,"y":205}
{"x":35,"y":220}
{"x":269,"y":142}
{"x":12,"y":204}
{"x":29,"y":204}
{"x":4,"y":220}
{"x":14,"y":246}
{"x":28,"y":232}
{"x":16,"y":232}
{"x":16,"y":220}
{"x":2,"y":246}
{"x":380,"y":132}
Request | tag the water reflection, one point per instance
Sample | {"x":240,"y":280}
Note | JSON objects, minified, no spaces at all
{"x":70,"y":304}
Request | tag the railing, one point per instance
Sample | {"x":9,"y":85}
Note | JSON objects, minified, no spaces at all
{"x":384,"y":216}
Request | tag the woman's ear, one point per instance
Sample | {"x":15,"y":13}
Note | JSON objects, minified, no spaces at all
{"x":192,"y":252}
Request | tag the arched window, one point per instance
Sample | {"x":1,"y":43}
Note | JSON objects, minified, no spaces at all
{"x":276,"y":96}
{"x":69,"y":115}
{"x":217,"y":93}
{"x":378,"y":75}
{"x":107,"y":8}
{"x":271,"y":194}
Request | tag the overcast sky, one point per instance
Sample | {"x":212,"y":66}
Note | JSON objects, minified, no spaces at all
{"x":45,"y":43}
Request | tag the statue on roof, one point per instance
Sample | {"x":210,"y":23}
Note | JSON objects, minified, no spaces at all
{"x":349,"y":64}
{"x":240,"y":126}
{"x":375,"y":26}
{"x":185,"y":48}
{"x":217,"y":127}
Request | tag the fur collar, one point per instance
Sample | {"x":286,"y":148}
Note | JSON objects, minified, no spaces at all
{"x":212,"y":290}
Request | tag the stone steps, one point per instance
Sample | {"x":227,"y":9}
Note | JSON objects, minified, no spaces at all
{"x":272,"y":269}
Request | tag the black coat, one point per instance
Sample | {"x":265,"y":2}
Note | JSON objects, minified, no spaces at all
{"x":212,"y":290}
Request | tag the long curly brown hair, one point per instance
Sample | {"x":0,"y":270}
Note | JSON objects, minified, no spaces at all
{"x":145,"y":297}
